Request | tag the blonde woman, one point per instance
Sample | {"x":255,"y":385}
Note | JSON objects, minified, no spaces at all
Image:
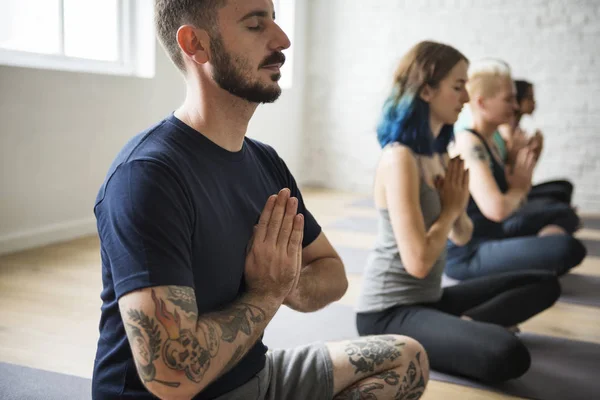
{"x":504,"y":240}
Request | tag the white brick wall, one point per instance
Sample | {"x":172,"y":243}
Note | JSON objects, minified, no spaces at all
{"x":354,"y":47}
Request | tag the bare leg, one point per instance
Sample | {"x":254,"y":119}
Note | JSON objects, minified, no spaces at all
{"x":552,"y":230}
{"x":379,"y":367}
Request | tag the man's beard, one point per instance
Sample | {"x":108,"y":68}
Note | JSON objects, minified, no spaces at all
{"x":227,"y":73}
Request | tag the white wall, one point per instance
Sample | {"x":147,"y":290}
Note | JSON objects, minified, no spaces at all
{"x":355,"y":46}
{"x":281,"y":124}
{"x":59,"y":132}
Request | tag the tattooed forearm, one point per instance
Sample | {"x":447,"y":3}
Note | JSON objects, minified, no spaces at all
{"x":145,"y":351}
{"x":366,"y":354}
{"x":185,"y":299}
{"x":235,"y":358}
{"x":145,"y":356}
{"x":238,"y":320}
{"x":413,"y":384}
{"x":163,"y":341}
{"x":478,"y":153}
{"x":210,"y":335}
{"x":182,"y":350}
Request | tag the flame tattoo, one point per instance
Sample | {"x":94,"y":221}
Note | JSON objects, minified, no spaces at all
{"x":181,"y":351}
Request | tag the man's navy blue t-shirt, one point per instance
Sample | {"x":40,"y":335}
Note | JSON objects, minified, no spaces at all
{"x":177,"y":209}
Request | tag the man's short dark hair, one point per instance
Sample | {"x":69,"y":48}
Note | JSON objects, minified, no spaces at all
{"x":169,"y":15}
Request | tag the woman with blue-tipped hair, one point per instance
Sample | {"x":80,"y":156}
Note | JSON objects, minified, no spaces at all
{"x":421,"y":197}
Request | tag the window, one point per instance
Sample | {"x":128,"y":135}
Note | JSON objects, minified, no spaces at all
{"x":285,"y":14}
{"x":101,"y":36}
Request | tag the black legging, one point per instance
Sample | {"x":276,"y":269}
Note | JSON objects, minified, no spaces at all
{"x":560,"y":190}
{"x":481,"y":349}
{"x":536,"y":214}
{"x":522,"y":249}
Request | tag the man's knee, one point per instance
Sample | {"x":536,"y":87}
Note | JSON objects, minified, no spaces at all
{"x":420,"y":359}
{"x":359,"y":359}
{"x":414,"y":355}
{"x":414,"y":366}
{"x":410,"y":353}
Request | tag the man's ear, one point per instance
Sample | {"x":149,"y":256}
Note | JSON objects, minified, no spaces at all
{"x":194,"y":43}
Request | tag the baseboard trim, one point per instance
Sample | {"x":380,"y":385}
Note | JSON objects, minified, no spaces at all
{"x":46,"y":235}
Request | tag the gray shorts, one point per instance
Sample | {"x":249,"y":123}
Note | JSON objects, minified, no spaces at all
{"x":299,"y":373}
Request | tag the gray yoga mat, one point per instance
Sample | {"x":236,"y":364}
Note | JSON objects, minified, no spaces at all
{"x":561,"y":369}
{"x":290,"y":328}
{"x":592,"y":246}
{"x":591,"y":222}
{"x":580,"y":289}
{"x":576,"y":288}
{"x":24,"y":383}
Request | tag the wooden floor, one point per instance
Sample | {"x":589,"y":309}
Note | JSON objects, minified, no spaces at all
{"x":50,"y":301}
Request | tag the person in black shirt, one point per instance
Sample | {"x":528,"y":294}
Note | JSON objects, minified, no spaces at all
{"x":508,"y":234}
{"x":204,"y":235}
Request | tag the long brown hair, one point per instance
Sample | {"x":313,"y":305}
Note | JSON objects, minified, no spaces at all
{"x":405,"y":114}
{"x":426,"y":63}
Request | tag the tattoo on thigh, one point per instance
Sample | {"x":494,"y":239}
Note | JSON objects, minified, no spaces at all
{"x":367,"y":354}
{"x":365,"y":389}
{"x":360,"y":391}
{"x":390,"y":377}
{"x":413,"y":384}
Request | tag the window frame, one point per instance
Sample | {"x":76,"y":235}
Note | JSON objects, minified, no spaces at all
{"x":136,"y":47}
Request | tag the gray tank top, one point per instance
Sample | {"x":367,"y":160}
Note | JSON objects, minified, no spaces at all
{"x":386,"y":283}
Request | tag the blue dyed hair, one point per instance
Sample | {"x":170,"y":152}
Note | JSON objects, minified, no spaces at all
{"x":407,"y":122}
{"x":405,"y":117}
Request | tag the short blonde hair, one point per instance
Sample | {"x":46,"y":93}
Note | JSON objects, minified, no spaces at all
{"x":485,"y":77}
